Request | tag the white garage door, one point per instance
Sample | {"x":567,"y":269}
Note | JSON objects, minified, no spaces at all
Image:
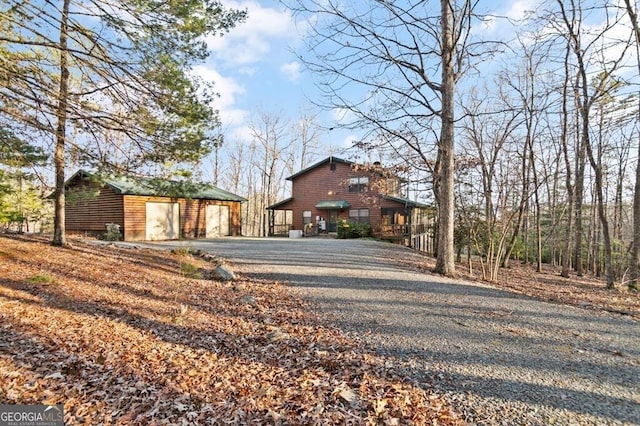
{"x":217,"y":221}
{"x":163,"y":221}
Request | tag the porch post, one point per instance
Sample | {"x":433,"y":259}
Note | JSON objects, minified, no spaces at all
{"x":270,"y":221}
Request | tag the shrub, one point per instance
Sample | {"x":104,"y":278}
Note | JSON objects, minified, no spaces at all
{"x":349,"y":229}
{"x":190,"y":271}
{"x":113,"y":232}
{"x":40,"y":279}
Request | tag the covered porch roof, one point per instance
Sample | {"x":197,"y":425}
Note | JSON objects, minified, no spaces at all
{"x":407,"y":203}
{"x":280,"y":204}
{"x":332,"y":204}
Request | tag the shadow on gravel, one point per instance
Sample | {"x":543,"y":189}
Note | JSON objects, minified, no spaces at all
{"x":424,"y":288}
{"x":461,"y":337}
{"x":485,"y":330}
{"x":576,"y":401}
{"x":413,"y":286}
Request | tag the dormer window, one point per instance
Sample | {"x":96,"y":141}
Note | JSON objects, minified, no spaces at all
{"x":358,"y":184}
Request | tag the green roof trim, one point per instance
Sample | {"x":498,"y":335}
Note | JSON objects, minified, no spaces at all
{"x":406,"y":202}
{"x":332,"y":204}
{"x":279,"y":204}
{"x":156,"y":187}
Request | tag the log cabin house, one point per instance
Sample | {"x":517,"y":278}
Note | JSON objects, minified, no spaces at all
{"x":149,"y":209}
{"x":335,"y":190}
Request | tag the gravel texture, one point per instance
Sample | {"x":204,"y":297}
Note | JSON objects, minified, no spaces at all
{"x":499,"y":357}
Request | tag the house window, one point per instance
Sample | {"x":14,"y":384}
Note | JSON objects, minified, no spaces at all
{"x":306,"y":217}
{"x":359,"y":215}
{"x":394,"y":216}
{"x":358,"y":184}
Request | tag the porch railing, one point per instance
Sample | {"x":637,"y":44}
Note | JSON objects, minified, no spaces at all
{"x":280,"y":230}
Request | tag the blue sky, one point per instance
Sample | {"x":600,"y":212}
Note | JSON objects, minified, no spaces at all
{"x":254,"y":68}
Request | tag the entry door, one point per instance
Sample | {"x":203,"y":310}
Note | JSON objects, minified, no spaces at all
{"x":163,"y":221}
{"x":332,"y":221}
{"x":217,"y":221}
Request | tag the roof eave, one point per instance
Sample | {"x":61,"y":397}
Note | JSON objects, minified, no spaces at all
{"x":279,"y":204}
{"x":318,"y":164}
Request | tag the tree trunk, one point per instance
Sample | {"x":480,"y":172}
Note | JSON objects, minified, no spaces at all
{"x":520,"y":218}
{"x":602,"y":215}
{"x":634,"y":261}
{"x":634,"y":281}
{"x":536,"y":200}
{"x":597,"y":168}
{"x":59,"y":237}
{"x":445,"y":262}
{"x":566,"y":251}
{"x":579,"y":197}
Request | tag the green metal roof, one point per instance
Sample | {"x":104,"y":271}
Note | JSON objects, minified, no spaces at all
{"x":332,"y":204}
{"x":156,"y":187}
{"x":406,"y":202}
{"x":279,"y":204}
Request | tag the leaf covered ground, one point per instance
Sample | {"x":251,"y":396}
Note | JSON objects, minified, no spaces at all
{"x":585,"y":292}
{"x":130,"y":336}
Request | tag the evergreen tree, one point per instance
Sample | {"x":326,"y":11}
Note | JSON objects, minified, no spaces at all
{"x":108,"y":83}
{"x":20,"y":199}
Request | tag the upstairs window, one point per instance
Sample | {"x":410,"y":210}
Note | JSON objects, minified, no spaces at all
{"x":358,"y":184}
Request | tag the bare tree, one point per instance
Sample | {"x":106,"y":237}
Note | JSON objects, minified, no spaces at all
{"x":489,"y":128}
{"x":531,"y":100}
{"x":634,"y":261}
{"x":588,"y":94}
{"x":307,"y":135}
{"x":393,"y":67}
{"x":268,"y":132}
{"x":564,"y":141}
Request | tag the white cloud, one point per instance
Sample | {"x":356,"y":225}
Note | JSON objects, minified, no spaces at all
{"x":242,"y":134}
{"x":494,"y":22}
{"x":342,"y":116}
{"x":229,"y":90}
{"x":291,"y":70}
{"x":227,"y":87}
{"x":347,"y":141}
{"x":251,"y":41}
{"x":247,"y":71}
{"x":521,"y":9}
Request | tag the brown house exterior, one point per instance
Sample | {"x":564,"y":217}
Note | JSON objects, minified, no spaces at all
{"x":148,"y":210}
{"x":335,"y":190}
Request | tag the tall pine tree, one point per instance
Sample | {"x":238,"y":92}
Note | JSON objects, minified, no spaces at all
{"x":108,"y":83}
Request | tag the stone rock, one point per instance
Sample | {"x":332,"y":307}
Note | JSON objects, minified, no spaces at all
{"x":239,"y":287}
{"x":223,"y":273}
{"x":249,"y":300}
{"x":277,"y":335}
{"x":349,"y":397}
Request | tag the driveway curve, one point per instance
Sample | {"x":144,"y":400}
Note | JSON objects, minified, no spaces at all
{"x":499,"y":357}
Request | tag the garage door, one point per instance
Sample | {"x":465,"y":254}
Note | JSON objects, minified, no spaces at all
{"x":217,"y":221}
{"x":163,"y":221}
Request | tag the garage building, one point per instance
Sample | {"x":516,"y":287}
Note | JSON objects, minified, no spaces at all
{"x":150,"y":209}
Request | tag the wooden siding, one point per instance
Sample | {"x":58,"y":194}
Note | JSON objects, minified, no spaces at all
{"x":324,"y":184}
{"x":192,"y":216}
{"x":89,"y":207}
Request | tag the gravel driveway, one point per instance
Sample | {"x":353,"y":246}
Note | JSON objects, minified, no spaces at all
{"x":500,"y":358}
